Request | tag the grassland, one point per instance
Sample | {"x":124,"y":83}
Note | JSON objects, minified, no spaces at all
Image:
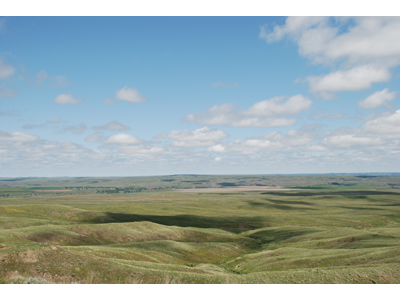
{"x":327,"y":229}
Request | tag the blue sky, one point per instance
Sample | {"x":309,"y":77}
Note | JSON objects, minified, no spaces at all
{"x":130,"y":96}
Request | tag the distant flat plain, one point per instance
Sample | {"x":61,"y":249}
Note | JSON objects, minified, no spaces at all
{"x":233,"y":189}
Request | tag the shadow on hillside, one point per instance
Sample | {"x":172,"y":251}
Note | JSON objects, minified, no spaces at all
{"x":360,"y":208}
{"x":232,"y":224}
{"x":277,"y":205}
{"x":290,"y":202}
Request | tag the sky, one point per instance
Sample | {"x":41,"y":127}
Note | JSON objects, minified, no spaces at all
{"x":134,"y":96}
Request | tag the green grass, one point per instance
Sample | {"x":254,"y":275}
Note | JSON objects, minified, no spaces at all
{"x":326,"y":235}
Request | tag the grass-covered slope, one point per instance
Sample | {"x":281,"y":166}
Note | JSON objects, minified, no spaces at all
{"x":345,"y":235}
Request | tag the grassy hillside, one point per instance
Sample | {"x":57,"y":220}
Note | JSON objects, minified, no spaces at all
{"x":322,"y":234}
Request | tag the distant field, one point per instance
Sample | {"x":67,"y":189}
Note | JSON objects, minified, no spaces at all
{"x":322,"y":230}
{"x":232,"y":189}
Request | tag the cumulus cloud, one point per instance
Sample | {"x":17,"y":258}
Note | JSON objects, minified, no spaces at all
{"x":377,"y":99}
{"x":202,"y":137}
{"x":275,"y":107}
{"x":224,"y":84}
{"x":355,"y":79}
{"x":356,"y":40}
{"x":364,"y":47}
{"x":6,"y":70}
{"x":130,"y":95}
{"x":8,"y":92}
{"x":217,"y":148}
{"x":64,"y":99}
{"x":267,"y":113}
{"x":123,"y":138}
{"x":114,"y":125}
{"x":348,"y":140}
{"x":294,"y":140}
{"x":387,"y":126}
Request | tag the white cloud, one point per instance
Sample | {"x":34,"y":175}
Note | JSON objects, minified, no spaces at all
{"x":114,"y":125}
{"x":274,"y":107}
{"x":365,"y":48}
{"x":218,"y":159}
{"x":387,"y":126}
{"x":355,"y":79}
{"x":267,"y":113}
{"x":348,"y":140}
{"x":17,"y":137}
{"x":294,"y":26}
{"x":6,"y":70}
{"x":357,"y":40}
{"x":123,"y":138}
{"x":202,"y":137}
{"x":217,"y":148}
{"x":66,"y":99}
{"x":377,"y":99}
{"x":130,"y":95}
{"x":8,"y":92}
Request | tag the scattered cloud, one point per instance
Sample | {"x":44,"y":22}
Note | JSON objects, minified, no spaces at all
{"x":363,"y":48}
{"x":43,"y":77}
{"x":203,"y":137}
{"x":8,"y":92}
{"x":114,"y":125}
{"x":348,"y":140}
{"x":217,"y":148}
{"x":94,"y":138}
{"x":224,"y":84}
{"x":356,"y":40}
{"x":76,"y":129}
{"x":33,"y":126}
{"x":17,"y":137}
{"x":387,"y":126}
{"x":325,"y":115}
{"x":267,"y":113}
{"x":123,"y":138}
{"x":64,"y":99}
{"x":55,"y":120}
{"x":377,"y":99}
{"x":355,"y":79}
{"x":130,"y":95}
{"x":6,"y":70}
